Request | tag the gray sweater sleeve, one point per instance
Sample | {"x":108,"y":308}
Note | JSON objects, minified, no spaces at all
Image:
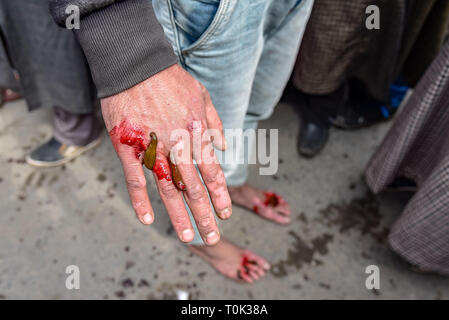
{"x":123,"y":42}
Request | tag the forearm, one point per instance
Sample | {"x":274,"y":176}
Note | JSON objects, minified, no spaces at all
{"x":122,"y":40}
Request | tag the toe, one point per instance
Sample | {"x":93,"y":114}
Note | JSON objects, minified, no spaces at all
{"x":280,"y":214}
{"x":276,"y":216}
{"x":254,"y":275}
{"x":246,"y":277}
{"x":255,"y":268}
{"x":281,"y":219}
{"x":259,"y":260}
{"x":283,"y":208}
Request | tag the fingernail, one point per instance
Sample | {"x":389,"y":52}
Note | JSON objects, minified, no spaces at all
{"x":267,"y":266}
{"x":212,"y":237}
{"x":187,"y":235}
{"x":225,"y":213}
{"x":147,"y":218}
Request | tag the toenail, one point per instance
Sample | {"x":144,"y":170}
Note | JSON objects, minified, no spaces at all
{"x":212,"y":237}
{"x":187,"y":235}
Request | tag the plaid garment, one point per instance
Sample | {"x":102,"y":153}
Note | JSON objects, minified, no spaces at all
{"x":338,"y":47}
{"x":417,"y":147}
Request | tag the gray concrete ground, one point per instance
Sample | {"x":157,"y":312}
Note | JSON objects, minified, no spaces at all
{"x":80,"y":214}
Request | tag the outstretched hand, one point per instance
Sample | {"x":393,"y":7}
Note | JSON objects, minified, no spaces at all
{"x":170,"y":102}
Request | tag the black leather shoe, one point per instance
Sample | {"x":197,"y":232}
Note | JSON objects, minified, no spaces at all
{"x":313,"y":137}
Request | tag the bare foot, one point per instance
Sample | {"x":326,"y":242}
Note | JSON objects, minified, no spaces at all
{"x":233,"y":262}
{"x":265,"y":203}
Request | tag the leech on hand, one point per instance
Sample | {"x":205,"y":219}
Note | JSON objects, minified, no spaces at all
{"x":149,"y":159}
{"x":177,"y":178}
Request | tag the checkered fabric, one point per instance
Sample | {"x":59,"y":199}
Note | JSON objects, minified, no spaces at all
{"x":337,"y":46}
{"x":417,"y":147}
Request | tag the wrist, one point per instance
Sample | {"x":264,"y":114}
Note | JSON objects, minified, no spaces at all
{"x":124,"y":45}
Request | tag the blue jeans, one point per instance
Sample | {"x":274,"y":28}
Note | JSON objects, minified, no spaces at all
{"x":242,"y":51}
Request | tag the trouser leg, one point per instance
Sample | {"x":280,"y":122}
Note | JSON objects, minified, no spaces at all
{"x":273,"y":72}
{"x":75,"y":129}
{"x":238,"y":46}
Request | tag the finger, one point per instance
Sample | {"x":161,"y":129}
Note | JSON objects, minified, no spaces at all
{"x":214,"y":122}
{"x":215,"y":181}
{"x":136,"y":185}
{"x":172,"y":199}
{"x":198,"y":201}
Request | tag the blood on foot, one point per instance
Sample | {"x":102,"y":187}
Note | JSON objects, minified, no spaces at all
{"x":126,"y":134}
{"x":244,"y":266}
{"x":271,"y":199}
